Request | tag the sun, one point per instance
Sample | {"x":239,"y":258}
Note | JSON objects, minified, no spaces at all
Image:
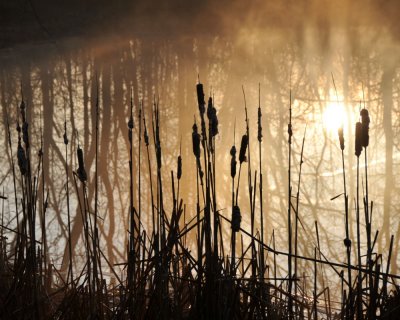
{"x":334,"y":117}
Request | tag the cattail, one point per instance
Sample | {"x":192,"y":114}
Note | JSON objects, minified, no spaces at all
{"x":236,"y":219}
{"x":201,"y":172}
{"x":81,"y":166}
{"x":233,"y":161}
{"x":22,"y":109}
{"x":200,"y":98}
{"x":259,"y":131}
{"x":365,"y":127}
{"x":243,"y":147}
{"x":358,"y":143}
{"x":22,"y":162}
{"x":25,"y":135}
{"x":212,"y":117}
{"x":65,"y":138}
{"x":341,"y":137}
{"x":130,"y":123}
{"x":196,"y":142}
{"x":179,"y":171}
{"x":158,"y":155}
{"x":65,"y":134}
{"x":290,"y":133}
{"x":130,"y":126}
{"x":145,"y":135}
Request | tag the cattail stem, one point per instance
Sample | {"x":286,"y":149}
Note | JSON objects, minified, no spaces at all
{"x":70,"y":271}
{"x":297,"y":209}
{"x":290,"y":133}
{"x":359,"y":276}
{"x":347,"y":243}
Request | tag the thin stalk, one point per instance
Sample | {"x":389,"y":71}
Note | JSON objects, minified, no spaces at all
{"x":359,"y":277}
{"x":297,"y":209}
{"x":70,"y":271}
{"x":290,"y":133}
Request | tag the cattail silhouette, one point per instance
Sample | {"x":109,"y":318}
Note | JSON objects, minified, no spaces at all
{"x":145,"y":134}
{"x":200,"y":98}
{"x":212,"y":117}
{"x":358,"y":137}
{"x":196,"y":141}
{"x":233,"y":161}
{"x":81,"y":166}
{"x":259,"y":131}
{"x":243,"y":148}
{"x":196,"y":148}
{"x":179,"y":171}
{"x":341,"y":137}
{"x":290,"y":133}
{"x":25,"y":135}
{"x":22,"y":161}
{"x":65,"y":135}
{"x":130,"y":126}
{"x":236,"y":219}
{"x":364,"y":127}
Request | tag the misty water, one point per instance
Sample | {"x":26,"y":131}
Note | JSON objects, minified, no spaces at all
{"x":58,"y":82}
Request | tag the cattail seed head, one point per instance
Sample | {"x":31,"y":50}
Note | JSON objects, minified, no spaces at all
{"x":65,"y":138}
{"x":22,"y":162}
{"x":341,"y":137}
{"x":196,"y":142}
{"x":236,"y":219}
{"x":201,"y":173}
{"x":259,"y":131}
{"x":179,"y":171}
{"x":200,"y":98}
{"x":22,"y":105}
{"x":233,"y":161}
{"x":233,"y":151}
{"x":212,"y":117}
{"x":158,"y":155}
{"x":146,"y":136}
{"x":365,"y":120}
{"x":22,"y":108}
{"x":358,"y":139}
{"x":243,"y":148}
{"x":25,"y":135}
{"x":130,"y":123}
{"x":290,"y":133}
{"x":81,"y":166}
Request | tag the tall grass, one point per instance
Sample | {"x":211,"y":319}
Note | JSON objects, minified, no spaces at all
{"x":164,"y":278}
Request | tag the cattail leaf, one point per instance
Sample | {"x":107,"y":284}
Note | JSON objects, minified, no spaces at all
{"x":335,"y":197}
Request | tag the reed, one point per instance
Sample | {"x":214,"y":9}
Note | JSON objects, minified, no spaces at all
{"x":166,"y":276}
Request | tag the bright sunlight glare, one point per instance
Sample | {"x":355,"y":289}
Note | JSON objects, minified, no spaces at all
{"x":334,"y":117}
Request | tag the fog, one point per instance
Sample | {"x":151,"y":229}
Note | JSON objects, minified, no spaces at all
{"x":53,"y":54}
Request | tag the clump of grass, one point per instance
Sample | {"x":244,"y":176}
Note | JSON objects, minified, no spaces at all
{"x":165,"y":278}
